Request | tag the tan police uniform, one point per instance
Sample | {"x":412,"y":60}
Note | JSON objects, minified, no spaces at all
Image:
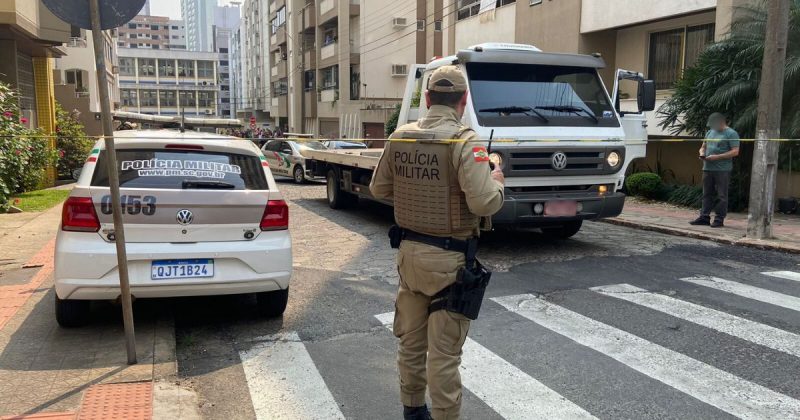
{"x":440,"y":187}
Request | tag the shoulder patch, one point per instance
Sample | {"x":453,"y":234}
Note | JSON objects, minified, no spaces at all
{"x":480,"y":154}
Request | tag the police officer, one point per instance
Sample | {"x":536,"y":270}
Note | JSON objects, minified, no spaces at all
{"x":441,"y":183}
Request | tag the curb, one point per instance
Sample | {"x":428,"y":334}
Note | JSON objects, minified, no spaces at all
{"x":750,"y":243}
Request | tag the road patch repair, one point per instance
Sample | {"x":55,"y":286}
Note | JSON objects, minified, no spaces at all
{"x":47,"y":372}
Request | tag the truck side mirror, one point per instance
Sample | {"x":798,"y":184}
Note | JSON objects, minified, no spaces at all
{"x":646,"y":97}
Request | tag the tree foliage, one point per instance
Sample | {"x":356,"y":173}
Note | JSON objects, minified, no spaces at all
{"x":726,"y":79}
{"x":71,"y":141}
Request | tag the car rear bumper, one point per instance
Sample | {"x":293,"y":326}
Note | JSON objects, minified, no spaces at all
{"x":517,"y":210}
{"x":86,"y":267}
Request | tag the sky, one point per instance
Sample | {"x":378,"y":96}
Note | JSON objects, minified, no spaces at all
{"x":172,"y":8}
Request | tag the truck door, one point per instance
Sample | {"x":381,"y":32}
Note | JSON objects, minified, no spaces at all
{"x":632,"y":114}
{"x":409,"y":110}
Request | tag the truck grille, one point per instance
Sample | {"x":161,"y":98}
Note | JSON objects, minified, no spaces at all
{"x":526,"y":162}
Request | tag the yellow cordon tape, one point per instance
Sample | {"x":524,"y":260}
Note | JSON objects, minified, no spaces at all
{"x":482,"y":140}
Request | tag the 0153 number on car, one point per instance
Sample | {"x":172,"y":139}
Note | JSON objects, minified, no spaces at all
{"x":131,"y":204}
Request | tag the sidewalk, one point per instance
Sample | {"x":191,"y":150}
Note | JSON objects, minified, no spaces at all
{"x":55,"y":373}
{"x":666,"y":218}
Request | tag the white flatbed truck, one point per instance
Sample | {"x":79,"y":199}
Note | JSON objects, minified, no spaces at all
{"x":566,"y":144}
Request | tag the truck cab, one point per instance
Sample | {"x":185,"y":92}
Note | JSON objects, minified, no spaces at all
{"x":563,"y":142}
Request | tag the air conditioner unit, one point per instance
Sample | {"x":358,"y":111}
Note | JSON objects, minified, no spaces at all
{"x":209,"y":112}
{"x":399,"y":70}
{"x":115,"y":69}
{"x":399,"y":22}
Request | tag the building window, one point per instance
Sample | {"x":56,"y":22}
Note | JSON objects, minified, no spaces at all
{"x":128,"y":97}
{"x":421,"y":25}
{"x":673,"y":51}
{"x":166,"y":68}
{"x":156,"y":37}
{"x":131,"y":26}
{"x":206,"y":99}
{"x":223,"y":50}
{"x":308,"y":80}
{"x":188,"y":98}
{"x":437,"y":25}
{"x":174,"y":28}
{"x":281,"y":87}
{"x":185,"y":68}
{"x":147,"y":67}
{"x":127,"y":66}
{"x":132,"y":36}
{"x":469,"y":8}
{"x":330,"y":77}
{"x":167,"y":98}
{"x":148,"y":98}
{"x":154,"y":27}
{"x":205,"y":69}
{"x":75,"y":77}
{"x":535,"y":2}
{"x":279,"y":20}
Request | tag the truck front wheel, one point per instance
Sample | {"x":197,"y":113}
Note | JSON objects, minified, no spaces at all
{"x":565,"y":231}
{"x":337,"y":199}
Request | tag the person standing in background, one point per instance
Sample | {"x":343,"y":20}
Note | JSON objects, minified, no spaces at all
{"x":717,"y":153}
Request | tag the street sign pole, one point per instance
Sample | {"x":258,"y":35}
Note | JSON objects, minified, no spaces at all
{"x":113,"y":179}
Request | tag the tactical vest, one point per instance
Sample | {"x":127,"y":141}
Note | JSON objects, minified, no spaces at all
{"x":427,"y":196}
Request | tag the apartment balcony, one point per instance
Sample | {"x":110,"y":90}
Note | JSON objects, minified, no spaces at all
{"x":329,"y":95}
{"x":224,"y":69}
{"x":280,"y":105}
{"x":328,"y":9}
{"x":274,"y":7}
{"x":310,"y":59}
{"x":355,"y":7}
{"x":328,"y":54}
{"x":311,"y":103}
{"x":278,"y":38}
{"x":225,"y":94}
{"x":598,"y":15}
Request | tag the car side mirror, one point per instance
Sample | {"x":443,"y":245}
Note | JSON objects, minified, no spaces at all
{"x":646,"y":97}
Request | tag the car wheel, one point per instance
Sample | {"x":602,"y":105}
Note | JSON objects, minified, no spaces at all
{"x":337,"y":199}
{"x":272,"y":304}
{"x":298,"y":175}
{"x":565,"y":231}
{"x":72,"y":313}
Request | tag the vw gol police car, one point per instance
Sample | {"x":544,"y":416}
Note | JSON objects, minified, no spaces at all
{"x":202,"y":214}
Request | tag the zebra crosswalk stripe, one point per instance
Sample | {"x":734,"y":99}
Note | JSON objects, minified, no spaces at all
{"x":788,"y":275}
{"x":744,"y":290}
{"x":506,"y":389}
{"x":745,"y":329}
{"x":706,"y":383}
{"x":284,"y":383}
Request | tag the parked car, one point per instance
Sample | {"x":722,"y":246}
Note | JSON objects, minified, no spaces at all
{"x":202,"y":217}
{"x":342,"y":144}
{"x":285,"y":158}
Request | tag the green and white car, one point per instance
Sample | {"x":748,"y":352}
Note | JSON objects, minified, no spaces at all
{"x":285,"y":158}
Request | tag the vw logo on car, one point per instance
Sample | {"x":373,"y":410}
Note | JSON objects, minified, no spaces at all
{"x":559,"y":161}
{"x":184,"y":217}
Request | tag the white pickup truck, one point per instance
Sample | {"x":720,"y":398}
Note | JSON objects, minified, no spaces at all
{"x":564,"y":142}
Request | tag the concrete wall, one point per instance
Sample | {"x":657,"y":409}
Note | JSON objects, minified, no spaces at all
{"x":477,"y":29}
{"x":597,"y":15}
{"x":553,"y":26}
{"x":376,"y":29}
{"x":33,"y":18}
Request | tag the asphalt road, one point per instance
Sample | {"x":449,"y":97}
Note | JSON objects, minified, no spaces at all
{"x":614,"y":323}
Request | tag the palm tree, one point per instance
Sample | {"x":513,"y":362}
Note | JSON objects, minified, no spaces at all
{"x":726,"y":77}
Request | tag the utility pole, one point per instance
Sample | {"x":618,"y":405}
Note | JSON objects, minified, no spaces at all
{"x":770,"y":100}
{"x":113,"y":179}
{"x":303,"y":69}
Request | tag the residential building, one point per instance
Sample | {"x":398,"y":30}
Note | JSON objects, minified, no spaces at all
{"x":199,"y":18}
{"x":222,"y":46}
{"x":255,"y":61}
{"x":177,"y":35}
{"x":165,"y":82}
{"x":30,"y":38}
{"x":75,"y":78}
{"x":145,"y":31}
{"x":238,"y":56}
{"x":354,"y":55}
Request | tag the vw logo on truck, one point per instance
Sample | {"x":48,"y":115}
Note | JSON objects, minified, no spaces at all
{"x":559,"y":161}
{"x":184,"y":217}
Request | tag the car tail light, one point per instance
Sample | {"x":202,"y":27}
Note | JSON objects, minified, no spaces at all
{"x":276,"y":216}
{"x":78,"y":215}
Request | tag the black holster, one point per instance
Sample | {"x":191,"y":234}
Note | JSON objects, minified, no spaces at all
{"x":465,"y":296}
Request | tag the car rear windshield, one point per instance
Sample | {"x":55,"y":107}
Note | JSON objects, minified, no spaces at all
{"x":560,"y":95}
{"x":181,"y":169}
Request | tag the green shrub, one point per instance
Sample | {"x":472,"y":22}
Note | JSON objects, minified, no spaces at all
{"x":644,"y":184}
{"x":391,"y":123}
{"x":72,"y":144}
{"x":686,"y":195}
{"x":24,"y":155}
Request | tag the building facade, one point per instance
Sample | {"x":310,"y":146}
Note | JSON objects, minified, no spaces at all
{"x":75,"y":78}
{"x":255,"y":60}
{"x":339,"y":66}
{"x":164,"y":82}
{"x":199,"y":18}
{"x":238,"y":56}
{"x":177,"y":34}
{"x":145,"y":31}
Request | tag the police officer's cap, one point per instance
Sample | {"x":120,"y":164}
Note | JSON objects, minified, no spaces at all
{"x":447,"y":79}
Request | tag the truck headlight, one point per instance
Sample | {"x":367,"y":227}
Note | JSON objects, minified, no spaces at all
{"x":613,"y":159}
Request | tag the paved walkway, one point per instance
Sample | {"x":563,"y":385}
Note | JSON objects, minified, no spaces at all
{"x":55,"y":373}
{"x":666,"y":218}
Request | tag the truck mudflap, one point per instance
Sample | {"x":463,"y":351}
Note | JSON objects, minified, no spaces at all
{"x":519,"y":210}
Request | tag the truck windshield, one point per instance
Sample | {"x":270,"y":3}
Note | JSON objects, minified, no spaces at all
{"x":564,"y":96}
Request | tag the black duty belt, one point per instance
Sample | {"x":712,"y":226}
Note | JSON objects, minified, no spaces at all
{"x":448,"y":244}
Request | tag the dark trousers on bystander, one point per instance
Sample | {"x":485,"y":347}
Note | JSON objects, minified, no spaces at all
{"x":715,"y":190}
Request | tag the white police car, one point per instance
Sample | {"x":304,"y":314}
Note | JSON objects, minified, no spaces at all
{"x":202,"y":214}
